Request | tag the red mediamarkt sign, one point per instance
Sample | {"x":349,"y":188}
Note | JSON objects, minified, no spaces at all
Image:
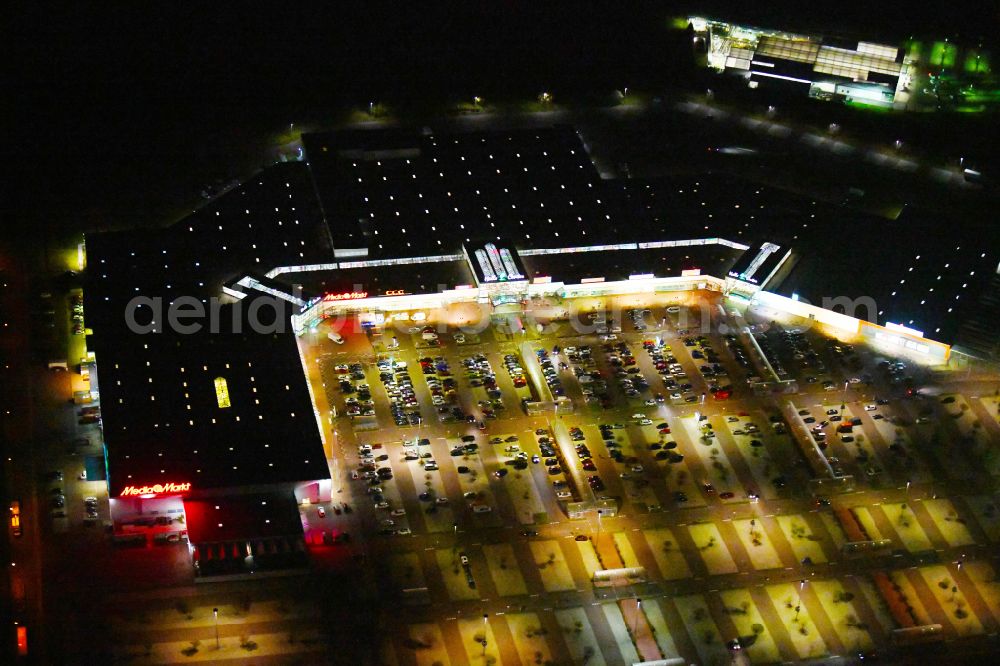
{"x":156,"y":489}
{"x":346,"y":296}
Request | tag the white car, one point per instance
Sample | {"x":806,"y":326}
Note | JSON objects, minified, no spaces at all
{"x":871,"y":407}
{"x":645,"y":422}
{"x":335,"y":337}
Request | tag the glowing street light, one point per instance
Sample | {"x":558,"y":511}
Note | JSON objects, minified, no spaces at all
{"x":215,"y":612}
{"x":635,"y":620}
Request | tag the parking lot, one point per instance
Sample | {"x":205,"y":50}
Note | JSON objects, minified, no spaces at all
{"x":707,"y":477}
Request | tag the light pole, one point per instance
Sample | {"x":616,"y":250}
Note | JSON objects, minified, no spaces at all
{"x":215,"y":612}
{"x":485,"y":627}
{"x":635,"y":620}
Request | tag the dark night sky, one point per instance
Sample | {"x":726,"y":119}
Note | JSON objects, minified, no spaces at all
{"x":121,"y":113}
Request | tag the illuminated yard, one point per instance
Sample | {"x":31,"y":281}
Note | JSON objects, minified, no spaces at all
{"x":987,"y":513}
{"x":406,"y":572}
{"x":985,"y":579}
{"x":552,"y":566}
{"x":951,"y":600}
{"x":473,"y":632}
{"x":712,"y":548}
{"x":907,"y":527}
{"x":579,"y":636}
{"x":529,"y":637}
{"x":864,"y":517}
{"x":669,"y":557}
{"x":742,"y":610}
{"x":589,"y":556}
{"x":701,"y":628}
{"x":948,"y":522}
{"x":504,"y":569}
{"x":524,"y":494}
{"x":806,"y":639}
{"x":757,"y":544}
{"x":916,"y":607}
{"x":620,"y":631}
{"x":839,"y":607}
{"x":719,"y":471}
{"x":454,"y":575}
{"x":429,"y":645}
{"x":654,"y":616}
{"x":625,"y":551}
{"x":801,"y":539}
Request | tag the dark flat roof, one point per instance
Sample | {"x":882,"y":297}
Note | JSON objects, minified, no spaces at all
{"x":920,"y":272}
{"x":162,"y":420}
{"x":424,"y":278}
{"x":534,"y":187}
{"x":242,"y":517}
{"x":620,"y":264}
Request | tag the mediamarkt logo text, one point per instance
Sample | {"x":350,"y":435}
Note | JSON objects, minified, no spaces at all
{"x":156,"y":489}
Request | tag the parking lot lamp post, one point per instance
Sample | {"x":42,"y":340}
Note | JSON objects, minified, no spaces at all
{"x":635,"y":620}
{"x":485,"y":627}
{"x":215,"y":612}
{"x":798,"y":605}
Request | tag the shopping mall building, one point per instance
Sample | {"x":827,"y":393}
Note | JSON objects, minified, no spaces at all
{"x":212,"y":432}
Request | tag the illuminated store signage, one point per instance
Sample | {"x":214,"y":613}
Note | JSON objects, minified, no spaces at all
{"x":155,"y":489}
{"x":346,"y":296}
{"x":395,"y":292}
